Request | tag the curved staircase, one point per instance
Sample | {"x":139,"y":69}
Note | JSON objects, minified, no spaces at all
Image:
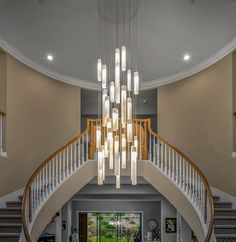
{"x":11,"y":221}
{"x":164,"y":166}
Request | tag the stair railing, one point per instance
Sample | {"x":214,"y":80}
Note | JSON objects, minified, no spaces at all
{"x":50,"y":175}
{"x":2,"y":118}
{"x":182,"y":171}
{"x":185,"y":174}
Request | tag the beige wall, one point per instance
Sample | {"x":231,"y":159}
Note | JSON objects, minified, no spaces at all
{"x":2,"y":81}
{"x":42,"y":114}
{"x":195,"y":114}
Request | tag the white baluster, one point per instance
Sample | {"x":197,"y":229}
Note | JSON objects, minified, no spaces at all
{"x":79,"y":156}
{"x":140,"y":141}
{"x":169,"y":161}
{"x":187,"y":180}
{"x":158,"y":153}
{"x":162,"y":155}
{"x":154,"y":150}
{"x":87,"y":151}
{"x":177,"y":167}
{"x":82,"y":149}
{"x":74,"y":160}
{"x":1,"y":133}
{"x":165,"y":159}
{"x":150,"y":147}
{"x":173,"y":165}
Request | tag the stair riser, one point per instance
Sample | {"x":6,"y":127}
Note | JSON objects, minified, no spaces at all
{"x":10,"y":230}
{"x":219,"y":205}
{"x":225,"y":221}
{"x":9,"y":239}
{"x":225,"y":213}
{"x":10,"y":212}
{"x":16,"y":205}
{"x":226,"y":240}
{"x":11,"y":220}
{"x":225,"y":230}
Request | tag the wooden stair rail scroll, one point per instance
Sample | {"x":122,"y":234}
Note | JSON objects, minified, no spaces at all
{"x":153,"y":148}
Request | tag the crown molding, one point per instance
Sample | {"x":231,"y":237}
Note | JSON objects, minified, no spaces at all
{"x":95,"y":86}
{"x":230,"y":47}
{"x":53,"y":74}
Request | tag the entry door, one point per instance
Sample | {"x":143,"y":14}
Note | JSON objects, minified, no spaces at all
{"x":83,"y":227}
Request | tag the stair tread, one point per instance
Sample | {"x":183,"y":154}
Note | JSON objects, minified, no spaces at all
{"x":10,"y":216}
{"x":228,"y":236}
{"x":10,"y":225}
{"x":9,"y":234}
{"x":10,"y":208}
{"x":225,"y":209}
{"x":225,"y":217}
{"x":225,"y":226}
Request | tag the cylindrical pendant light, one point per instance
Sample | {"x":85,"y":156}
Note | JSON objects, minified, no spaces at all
{"x":110,"y":139}
{"x":123,"y":106}
{"x":133,"y":165}
{"x":129,"y":131}
{"x":117,"y":83}
{"x":112,"y":92}
{"x":106,"y":109}
{"x":111,"y":159}
{"x":117,"y":155}
{"x":136,"y":83}
{"x":99,"y":70}
{"x":100,"y":165}
{"x":98,"y":136}
{"x":129,"y":108}
{"x":115,"y":119}
{"x":123,"y":158}
{"x":118,"y":181}
{"x":123,"y":58}
{"x":106,"y":148}
{"x":104,"y":76}
{"x":129,"y":86}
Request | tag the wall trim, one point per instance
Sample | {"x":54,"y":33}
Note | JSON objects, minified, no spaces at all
{"x":6,"y":46}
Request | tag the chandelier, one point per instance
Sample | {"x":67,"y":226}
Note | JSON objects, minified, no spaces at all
{"x":117,"y":73}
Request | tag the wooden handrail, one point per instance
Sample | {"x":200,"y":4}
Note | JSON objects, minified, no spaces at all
{"x":2,"y":113}
{"x":197,"y":169}
{"x":37,"y":171}
{"x":148,"y":123}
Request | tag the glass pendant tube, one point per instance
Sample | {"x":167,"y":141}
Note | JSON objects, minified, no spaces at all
{"x":100,"y":165}
{"x":104,"y":76}
{"x":104,"y":95}
{"x":117,"y":75}
{"x":106,"y":148}
{"x":99,"y":70}
{"x":129,"y":131}
{"x":123,"y":158}
{"x":106,"y":110}
{"x":115,"y":119}
{"x":123,"y":58}
{"x":133,"y":165}
{"x":112,"y":92}
{"x":109,"y":123}
{"x":123,"y":105}
{"x":111,"y":159}
{"x":98,"y":136}
{"x":129,"y":108}
{"x":117,"y":155}
{"x":110,"y":139}
{"x":129,"y":86}
{"x":117,"y":181}
{"x":136,"y":83}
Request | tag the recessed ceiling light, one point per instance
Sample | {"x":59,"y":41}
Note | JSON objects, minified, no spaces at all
{"x":50,"y":57}
{"x":187,"y":57}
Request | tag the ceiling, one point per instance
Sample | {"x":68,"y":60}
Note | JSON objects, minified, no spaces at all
{"x":167,"y":29}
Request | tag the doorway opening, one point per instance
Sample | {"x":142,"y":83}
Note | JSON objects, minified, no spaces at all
{"x":110,"y":226}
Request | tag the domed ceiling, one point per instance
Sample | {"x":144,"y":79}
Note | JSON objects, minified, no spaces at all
{"x":167,"y":30}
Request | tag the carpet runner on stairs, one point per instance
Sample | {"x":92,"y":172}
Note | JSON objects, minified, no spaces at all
{"x":225,"y":221}
{"x":11,"y":221}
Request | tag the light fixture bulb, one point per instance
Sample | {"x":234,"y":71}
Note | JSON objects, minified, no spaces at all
{"x":99,"y":70}
{"x":123,"y":58}
{"x":104,"y":76}
{"x":123,"y":105}
{"x":50,"y":57}
{"x":136,"y":83}
{"x":187,"y":57}
{"x":129,"y":86}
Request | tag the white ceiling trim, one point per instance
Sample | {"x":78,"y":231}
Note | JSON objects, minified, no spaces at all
{"x":95,"y":86}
